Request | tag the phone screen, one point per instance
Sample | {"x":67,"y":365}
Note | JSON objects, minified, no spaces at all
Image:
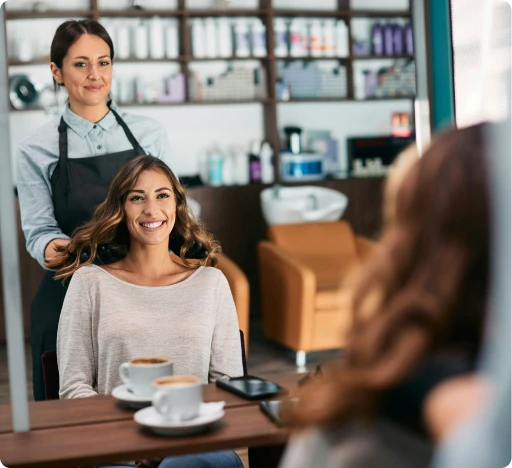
{"x":254,"y":387}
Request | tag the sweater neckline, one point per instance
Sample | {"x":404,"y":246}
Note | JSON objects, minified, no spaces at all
{"x":152,"y":288}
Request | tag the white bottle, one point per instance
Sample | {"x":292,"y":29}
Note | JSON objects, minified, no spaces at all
{"x":315,"y":39}
{"x":156,"y":38}
{"x":329,"y":38}
{"x":267,"y":166}
{"x":242,"y":39}
{"x":123,"y":42}
{"x":225,"y":38}
{"x":198,"y":38}
{"x":211,"y":38}
{"x":171,"y":40}
{"x":228,"y":169}
{"x":141,"y":41}
{"x":25,"y":52}
{"x":298,"y":38}
{"x":259,"y":39}
{"x":280,"y":38}
{"x":342,"y":41}
{"x":241,"y":167}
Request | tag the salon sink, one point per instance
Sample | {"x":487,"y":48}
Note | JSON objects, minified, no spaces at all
{"x":305,"y":204}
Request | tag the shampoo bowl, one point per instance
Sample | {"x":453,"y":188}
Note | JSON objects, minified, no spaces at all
{"x":306,"y":204}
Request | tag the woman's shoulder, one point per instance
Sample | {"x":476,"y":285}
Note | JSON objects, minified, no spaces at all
{"x":148,"y":124}
{"x":42,"y":137}
{"x":89,"y":273}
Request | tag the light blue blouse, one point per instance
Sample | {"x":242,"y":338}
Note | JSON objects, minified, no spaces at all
{"x":39,"y":154}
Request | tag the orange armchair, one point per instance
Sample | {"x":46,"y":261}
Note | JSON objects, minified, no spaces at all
{"x":303,"y":271}
{"x":239,"y":286}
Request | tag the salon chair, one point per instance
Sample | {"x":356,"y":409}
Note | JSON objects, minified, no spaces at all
{"x":304,"y":293}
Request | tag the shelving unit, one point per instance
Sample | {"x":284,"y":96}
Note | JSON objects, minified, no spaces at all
{"x":267,"y":14}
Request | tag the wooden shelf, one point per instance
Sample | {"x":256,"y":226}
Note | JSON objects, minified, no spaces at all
{"x":327,"y":99}
{"x":343,"y":13}
{"x":225,"y":59}
{"x":309,"y":58}
{"x":140,"y":13}
{"x":18,"y":63}
{"x":168,"y":104}
{"x":230,"y":12}
{"x":383,"y":57}
{"x":16,"y":15}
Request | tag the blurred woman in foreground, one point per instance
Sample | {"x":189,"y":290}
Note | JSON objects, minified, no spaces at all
{"x":418,"y":313}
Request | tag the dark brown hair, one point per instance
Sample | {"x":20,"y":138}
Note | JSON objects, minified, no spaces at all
{"x":425,"y":288}
{"x":69,"y":32}
{"x":108,"y":228}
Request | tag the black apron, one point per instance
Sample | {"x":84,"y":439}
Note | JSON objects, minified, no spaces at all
{"x":78,"y":187}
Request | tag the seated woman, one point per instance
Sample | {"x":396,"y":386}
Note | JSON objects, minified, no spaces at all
{"x":419,"y":307}
{"x":144,"y":303}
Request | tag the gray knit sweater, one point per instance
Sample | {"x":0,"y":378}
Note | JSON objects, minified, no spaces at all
{"x":106,"y":321}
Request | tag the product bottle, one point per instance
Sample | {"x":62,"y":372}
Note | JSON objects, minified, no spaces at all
{"x":242,"y":39}
{"x":141,"y":41}
{"x":171,"y":40}
{"x":409,"y":40}
{"x":198,"y":38}
{"x":255,"y":163}
{"x":156,"y":38}
{"x":267,"y":166}
{"x":329,"y":38}
{"x":377,"y":39}
{"x":298,"y":38}
{"x":241,"y":166}
{"x":123,"y":42}
{"x":315,"y":39}
{"x":359,"y":85}
{"x":280,"y":38}
{"x":225,"y":39}
{"x":215,"y":167}
{"x":211,"y":37}
{"x":398,"y":40}
{"x":388,"y":39}
{"x":228,"y":170}
{"x":259,"y":39}
{"x":342,"y":39}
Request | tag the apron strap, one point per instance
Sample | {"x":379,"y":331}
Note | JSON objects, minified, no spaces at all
{"x":63,"y":151}
{"x":128,"y":133}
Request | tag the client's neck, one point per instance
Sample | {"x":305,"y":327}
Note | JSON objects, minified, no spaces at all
{"x":149,"y":261}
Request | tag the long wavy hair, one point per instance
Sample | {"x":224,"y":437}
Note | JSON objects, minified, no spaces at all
{"x":107,"y":230}
{"x":424,"y":290}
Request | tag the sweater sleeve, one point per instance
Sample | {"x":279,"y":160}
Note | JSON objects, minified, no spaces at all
{"x":75,"y":349}
{"x":226,"y":352}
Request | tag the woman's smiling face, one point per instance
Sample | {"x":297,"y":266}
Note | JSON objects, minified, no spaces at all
{"x":86,"y":71}
{"x":150,"y":208}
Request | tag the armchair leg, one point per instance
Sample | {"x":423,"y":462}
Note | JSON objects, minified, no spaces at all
{"x":300,"y":358}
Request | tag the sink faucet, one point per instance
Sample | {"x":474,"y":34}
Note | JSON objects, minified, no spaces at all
{"x":314,"y":199}
{"x":275,"y":191}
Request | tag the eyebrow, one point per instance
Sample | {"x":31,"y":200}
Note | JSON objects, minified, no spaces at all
{"x":87,"y":58}
{"x":157,"y":190}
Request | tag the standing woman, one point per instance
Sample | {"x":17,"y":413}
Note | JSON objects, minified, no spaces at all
{"x":65,"y":168}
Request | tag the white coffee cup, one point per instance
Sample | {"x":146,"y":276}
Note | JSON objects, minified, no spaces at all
{"x":139,"y":374}
{"x":178,"y":398}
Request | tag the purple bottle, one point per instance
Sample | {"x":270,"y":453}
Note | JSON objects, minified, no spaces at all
{"x":377,"y":39}
{"x":398,"y":40}
{"x":388,"y":39}
{"x":409,"y":40}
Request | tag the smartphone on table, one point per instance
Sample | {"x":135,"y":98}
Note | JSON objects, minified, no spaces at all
{"x":272,"y":408}
{"x":250,"y":387}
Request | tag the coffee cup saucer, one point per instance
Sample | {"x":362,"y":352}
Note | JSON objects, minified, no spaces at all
{"x":209,"y":413}
{"x":124,"y":395}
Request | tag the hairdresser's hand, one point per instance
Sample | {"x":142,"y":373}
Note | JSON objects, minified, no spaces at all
{"x":51,"y":251}
{"x":452,"y":403}
{"x":197,"y":249}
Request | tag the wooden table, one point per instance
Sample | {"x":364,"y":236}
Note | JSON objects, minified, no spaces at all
{"x":97,"y":430}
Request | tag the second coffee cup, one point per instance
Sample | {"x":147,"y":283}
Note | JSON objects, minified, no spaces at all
{"x":140,"y":373}
{"x":178,"y":398}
